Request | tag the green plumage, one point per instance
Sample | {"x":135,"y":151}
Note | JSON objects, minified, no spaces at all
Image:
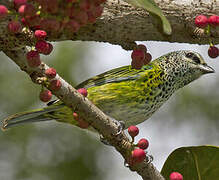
{"x":128,"y":94}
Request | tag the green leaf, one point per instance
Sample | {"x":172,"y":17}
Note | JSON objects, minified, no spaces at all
{"x":194,"y":163}
{"x":152,"y":8}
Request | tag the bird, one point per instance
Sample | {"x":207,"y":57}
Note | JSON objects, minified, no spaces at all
{"x":127,"y":94}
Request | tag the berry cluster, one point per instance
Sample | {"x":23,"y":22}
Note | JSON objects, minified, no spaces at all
{"x":202,"y":21}
{"x":140,"y":57}
{"x":49,"y":17}
{"x":53,"y":16}
{"x":138,"y":154}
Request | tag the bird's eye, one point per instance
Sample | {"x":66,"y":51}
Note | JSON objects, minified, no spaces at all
{"x":189,"y":55}
{"x":196,"y":60}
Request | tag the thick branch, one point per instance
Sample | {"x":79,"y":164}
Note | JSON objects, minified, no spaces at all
{"x":123,"y":24}
{"x":97,"y":119}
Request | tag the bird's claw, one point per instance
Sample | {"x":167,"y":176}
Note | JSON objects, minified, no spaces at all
{"x":121,"y":126}
{"x":149,"y":158}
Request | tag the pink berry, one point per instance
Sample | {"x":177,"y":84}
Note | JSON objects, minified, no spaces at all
{"x":50,"y":73}
{"x":42,"y":46}
{"x":147,"y":59}
{"x":138,"y":155}
{"x":3,"y":11}
{"x":133,"y":131}
{"x":40,"y":34}
{"x":75,"y":115}
{"x":143,"y":143}
{"x":213,"y":20}
{"x":176,"y":176}
{"x":33,"y":58}
{"x":14,"y":27}
{"x":201,"y":21}
{"x":18,"y":3}
{"x":55,"y":85}
{"x":213,"y":51}
{"x":45,"y":95}
{"x":83,"y":91}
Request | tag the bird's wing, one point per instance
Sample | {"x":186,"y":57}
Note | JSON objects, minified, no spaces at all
{"x":124,"y":73}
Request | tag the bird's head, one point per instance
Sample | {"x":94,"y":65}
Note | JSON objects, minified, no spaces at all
{"x":183,"y":67}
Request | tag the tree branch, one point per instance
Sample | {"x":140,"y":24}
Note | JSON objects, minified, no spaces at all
{"x":97,"y":119}
{"x":122,"y":24}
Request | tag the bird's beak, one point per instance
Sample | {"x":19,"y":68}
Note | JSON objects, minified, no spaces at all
{"x":206,"y":69}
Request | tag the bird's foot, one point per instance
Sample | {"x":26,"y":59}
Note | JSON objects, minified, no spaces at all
{"x":149,"y":158}
{"x":120,"y":124}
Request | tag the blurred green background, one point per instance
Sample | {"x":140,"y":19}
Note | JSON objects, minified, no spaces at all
{"x":55,"y":151}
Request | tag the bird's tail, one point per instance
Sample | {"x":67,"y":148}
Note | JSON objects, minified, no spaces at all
{"x":28,"y":117}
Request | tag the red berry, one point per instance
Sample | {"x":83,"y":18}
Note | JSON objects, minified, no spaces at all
{"x":213,"y":20}
{"x":137,"y":64}
{"x":40,"y":34}
{"x":42,"y":46}
{"x":18,"y":3}
{"x":143,"y":143}
{"x":50,"y":73}
{"x":14,"y":27}
{"x":33,"y":58}
{"x":3,"y":11}
{"x":55,"y":85}
{"x":201,"y":21}
{"x":147,"y":59}
{"x":45,"y":95}
{"x":49,"y":50}
{"x":27,"y":10}
{"x":138,"y":155}
{"x":142,"y":47}
{"x":138,"y":54}
{"x":133,"y":131}
{"x":213,"y":51}
{"x":176,"y":176}
{"x":83,"y":91}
